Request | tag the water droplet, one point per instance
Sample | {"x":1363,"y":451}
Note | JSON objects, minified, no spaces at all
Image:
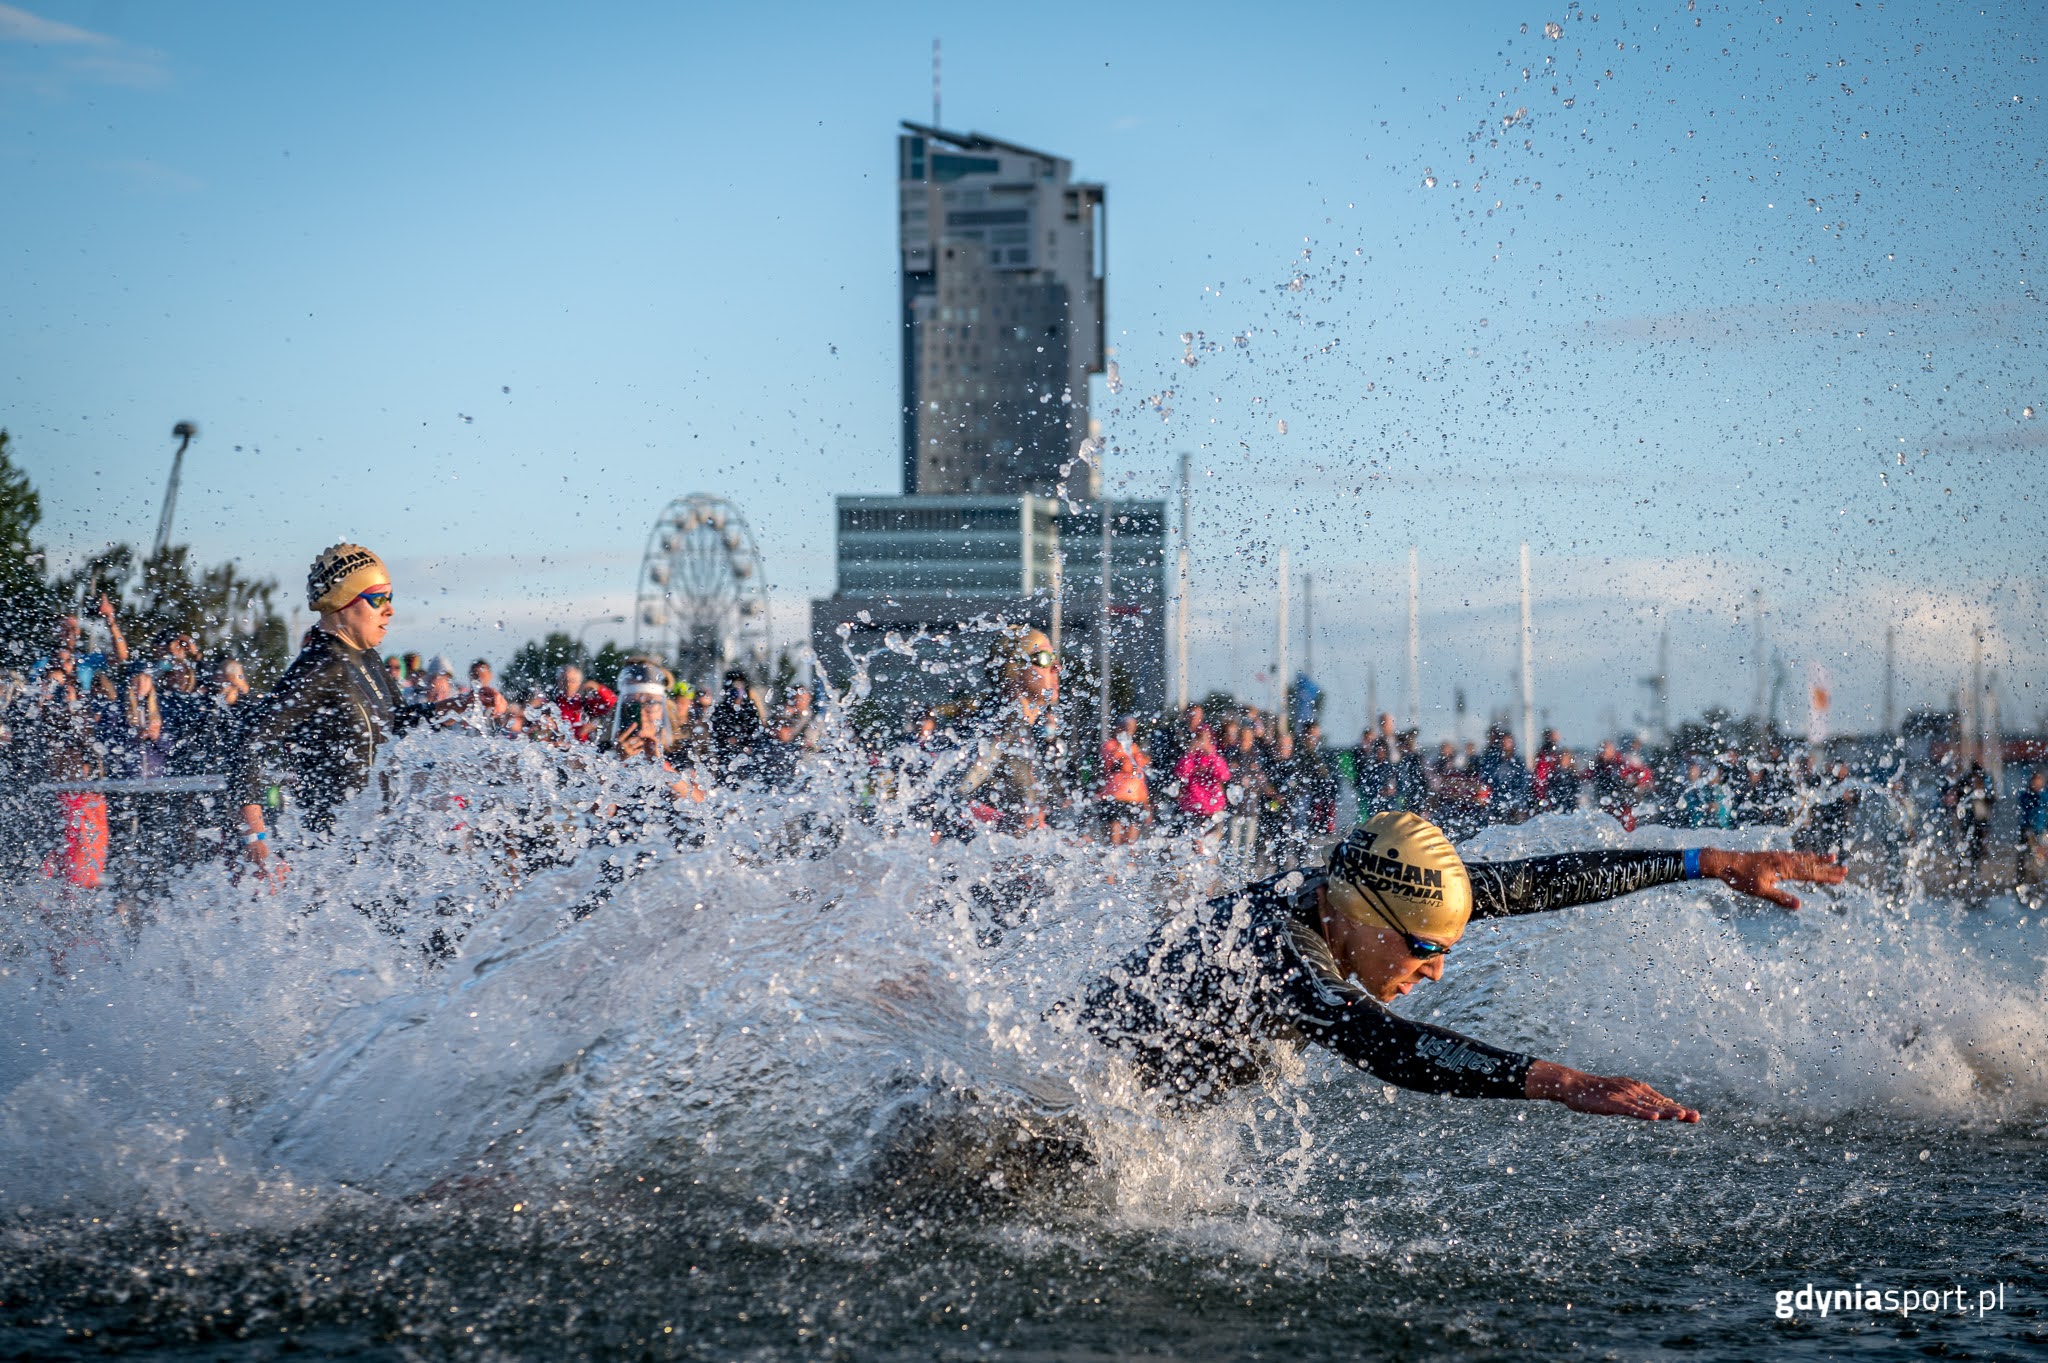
{"x":1282,"y":426}
{"x":1553,"y":31}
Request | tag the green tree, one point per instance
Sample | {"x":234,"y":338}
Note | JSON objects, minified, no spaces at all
{"x":536,"y":662}
{"x":28,"y":607}
{"x":605,"y":663}
{"x":224,"y":612}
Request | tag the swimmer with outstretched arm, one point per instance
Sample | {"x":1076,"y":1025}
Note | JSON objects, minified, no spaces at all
{"x":1314,"y":955}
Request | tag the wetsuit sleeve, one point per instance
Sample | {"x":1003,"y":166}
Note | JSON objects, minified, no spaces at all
{"x":1505,"y":889}
{"x":269,"y":724}
{"x":408,"y":714}
{"x":405,"y":714}
{"x":1413,"y":1055}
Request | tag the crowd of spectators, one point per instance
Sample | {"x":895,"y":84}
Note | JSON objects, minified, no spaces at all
{"x":94,"y":733}
{"x":94,"y":727}
{"x":112,"y":754}
{"x":741,"y":733}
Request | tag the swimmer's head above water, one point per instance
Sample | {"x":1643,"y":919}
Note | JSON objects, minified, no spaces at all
{"x":351,"y":588}
{"x":1398,"y":896}
{"x":1023,"y":666}
{"x":1396,"y":901}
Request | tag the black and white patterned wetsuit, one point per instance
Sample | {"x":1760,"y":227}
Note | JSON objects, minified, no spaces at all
{"x":1202,"y":1006}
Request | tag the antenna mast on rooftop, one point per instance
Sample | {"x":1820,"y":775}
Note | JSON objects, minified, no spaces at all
{"x":936,"y":123}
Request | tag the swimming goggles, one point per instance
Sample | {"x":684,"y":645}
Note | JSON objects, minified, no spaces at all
{"x":377,"y":598}
{"x":1043,"y":657}
{"x":1419,"y":947}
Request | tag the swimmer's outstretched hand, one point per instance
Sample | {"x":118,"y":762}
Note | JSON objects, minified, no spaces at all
{"x":1758,"y":873}
{"x":1603,"y":1096}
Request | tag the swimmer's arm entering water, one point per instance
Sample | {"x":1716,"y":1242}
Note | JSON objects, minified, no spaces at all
{"x":1603,"y":1095}
{"x":1430,"y":1059}
{"x":1505,"y":889}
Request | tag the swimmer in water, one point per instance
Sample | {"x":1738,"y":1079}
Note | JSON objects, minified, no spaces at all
{"x":320,"y":727}
{"x":1313,"y":955}
{"x":1012,"y":782}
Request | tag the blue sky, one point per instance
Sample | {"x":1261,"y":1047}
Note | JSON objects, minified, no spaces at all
{"x":1711,"y":300}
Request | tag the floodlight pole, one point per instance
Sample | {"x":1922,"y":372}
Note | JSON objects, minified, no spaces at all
{"x":184,"y":431}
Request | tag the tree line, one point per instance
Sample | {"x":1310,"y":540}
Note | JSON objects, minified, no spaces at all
{"x":154,"y":594}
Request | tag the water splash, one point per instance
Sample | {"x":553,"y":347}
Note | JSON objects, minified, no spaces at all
{"x":544,"y":971}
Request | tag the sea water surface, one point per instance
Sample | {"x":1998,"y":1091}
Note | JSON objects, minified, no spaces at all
{"x":785,"y":1083}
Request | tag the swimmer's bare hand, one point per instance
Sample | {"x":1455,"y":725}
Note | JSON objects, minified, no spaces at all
{"x":1758,"y":873}
{"x":1602,"y":1095}
{"x":263,"y":868}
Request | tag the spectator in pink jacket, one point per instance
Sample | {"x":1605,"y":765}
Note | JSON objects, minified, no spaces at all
{"x":1202,"y":774}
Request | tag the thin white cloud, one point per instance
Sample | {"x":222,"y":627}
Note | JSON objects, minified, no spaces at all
{"x":79,"y":55}
{"x":1763,"y":322}
{"x":134,"y":68}
{"x":2031,"y":436}
{"x":152,"y":175}
{"x":19,"y":26}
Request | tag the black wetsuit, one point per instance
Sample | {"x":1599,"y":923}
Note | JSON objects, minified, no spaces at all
{"x":1201,"y":1007}
{"x":1014,"y":771}
{"x":322,"y":724}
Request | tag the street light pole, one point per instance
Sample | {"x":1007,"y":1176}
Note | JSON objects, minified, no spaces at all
{"x":1102,"y":507}
{"x":1528,"y":665}
{"x":1414,"y":641}
{"x":596,"y":620}
{"x":1180,"y":608}
{"x":1280,"y":663}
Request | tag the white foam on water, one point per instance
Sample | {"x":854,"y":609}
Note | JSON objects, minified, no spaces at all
{"x":761,"y":1014}
{"x":1862,"y":1001}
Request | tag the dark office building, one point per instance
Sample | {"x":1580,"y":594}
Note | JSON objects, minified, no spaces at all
{"x":1002,"y":327}
{"x":1002,"y":314}
{"x":952,"y":567}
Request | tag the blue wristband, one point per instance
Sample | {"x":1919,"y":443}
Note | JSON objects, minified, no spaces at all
{"x":1692,"y":863}
{"x":253,"y":838}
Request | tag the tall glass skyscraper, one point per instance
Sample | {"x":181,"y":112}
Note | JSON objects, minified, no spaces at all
{"x":1002,"y":326}
{"x":1002,"y":258}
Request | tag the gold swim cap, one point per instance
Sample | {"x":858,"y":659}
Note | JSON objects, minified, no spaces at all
{"x":1405,"y":868}
{"x":341,"y":574}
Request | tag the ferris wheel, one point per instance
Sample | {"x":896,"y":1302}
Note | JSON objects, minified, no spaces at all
{"x":702,"y":605}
